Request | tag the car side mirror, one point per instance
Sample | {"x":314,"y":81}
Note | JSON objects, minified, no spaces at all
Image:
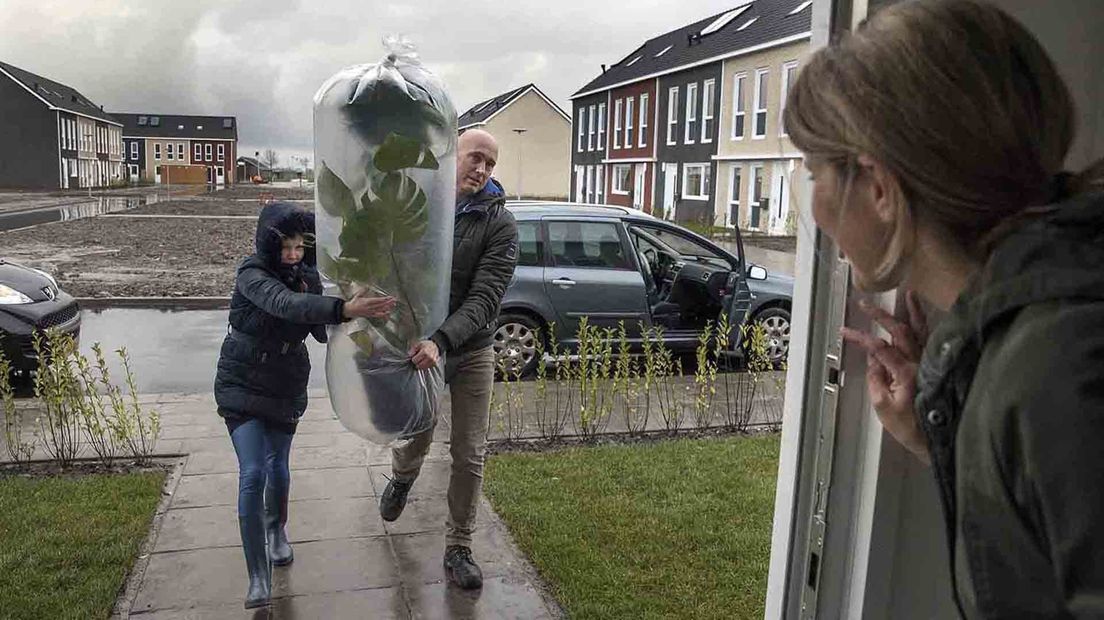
{"x":755,"y":272}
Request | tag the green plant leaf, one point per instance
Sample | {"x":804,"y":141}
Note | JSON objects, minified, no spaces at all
{"x":333,"y":195}
{"x":398,"y":152}
{"x":400,"y":207}
{"x":363,"y":340}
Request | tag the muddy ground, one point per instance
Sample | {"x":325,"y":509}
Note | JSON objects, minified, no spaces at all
{"x":242,"y":190}
{"x":204,"y":206}
{"x":129,"y":257}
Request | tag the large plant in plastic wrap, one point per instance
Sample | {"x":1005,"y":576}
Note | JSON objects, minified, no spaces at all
{"x":385,"y":147}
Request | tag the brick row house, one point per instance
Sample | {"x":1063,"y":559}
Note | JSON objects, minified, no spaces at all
{"x":53,"y":137}
{"x":688,"y":125}
{"x":180,"y":149}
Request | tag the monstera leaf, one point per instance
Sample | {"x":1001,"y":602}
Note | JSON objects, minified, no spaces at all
{"x":333,"y":195}
{"x":400,"y":206}
{"x":398,"y":152}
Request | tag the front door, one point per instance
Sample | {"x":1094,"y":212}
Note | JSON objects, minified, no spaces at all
{"x":670,"y":173}
{"x":220,"y":176}
{"x":638,"y":187}
{"x":593,"y":274}
{"x":157,"y":174}
{"x":579,"y":184}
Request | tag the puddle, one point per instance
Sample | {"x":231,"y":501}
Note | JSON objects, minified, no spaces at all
{"x":74,"y":211}
{"x":171,"y":351}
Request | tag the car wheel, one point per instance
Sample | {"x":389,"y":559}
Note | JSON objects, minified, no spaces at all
{"x":515,"y":344}
{"x":776,"y":327}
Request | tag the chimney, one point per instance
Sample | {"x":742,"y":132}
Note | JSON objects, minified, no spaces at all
{"x":603,"y":67}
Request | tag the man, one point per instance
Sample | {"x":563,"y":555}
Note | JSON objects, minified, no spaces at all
{"x":484,"y":255}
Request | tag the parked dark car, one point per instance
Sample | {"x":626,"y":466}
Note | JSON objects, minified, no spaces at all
{"x":31,"y":300}
{"x":616,"y":265}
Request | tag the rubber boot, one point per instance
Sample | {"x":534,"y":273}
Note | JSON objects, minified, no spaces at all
{"x":256,"y":561}
{"x":276,"y":516}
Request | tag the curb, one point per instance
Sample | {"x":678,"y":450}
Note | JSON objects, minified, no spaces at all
{"x":154,"y":303}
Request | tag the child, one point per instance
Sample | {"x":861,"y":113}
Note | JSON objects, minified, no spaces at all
{"x":263,"y":369}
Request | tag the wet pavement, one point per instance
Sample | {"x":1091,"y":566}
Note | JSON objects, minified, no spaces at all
{"x":33,"y":212}
{"x":349,"y":563}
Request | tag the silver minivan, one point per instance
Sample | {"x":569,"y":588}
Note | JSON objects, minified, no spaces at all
{"x":616,"y":265}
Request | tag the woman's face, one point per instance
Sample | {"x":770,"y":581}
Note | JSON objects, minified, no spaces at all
{"x":292,"y":251}
{"x":858,"y":218}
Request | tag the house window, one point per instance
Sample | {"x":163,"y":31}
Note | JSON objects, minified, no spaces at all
{"x":617,"y":124}
{"x":708,"y":90}
{"x":695,"y":181}
{"x":180,"y":151}
{"x":599,"y":188}
{"x":197,"y":151}
{"x":643,"y":120}
{"x":629,"y":122}
{"x":739,"y":112}
{"x":157,"y":151}
{"x":691,"y":112}
{"x":207,"y":152}
{"x":142,"y":120}
{"x":222,"y":152}
{"x":789,"y":73}
{"x":735,"y":182}
{"x":761,"y":80}
{"x":590,"y":129}
{"x":601,"y":126}
{"x":134,"y":150}
{"x":756,"y":203}
{"x":622,"y":179}
{"x":672,"y":114}
{"x":579,"y":140}
{"x":590,"y":185}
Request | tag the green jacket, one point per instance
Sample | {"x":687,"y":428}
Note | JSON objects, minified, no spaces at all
{"x":1011,"y":396}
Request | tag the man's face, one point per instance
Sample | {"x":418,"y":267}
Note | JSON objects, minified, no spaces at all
{"x":475,"y":162}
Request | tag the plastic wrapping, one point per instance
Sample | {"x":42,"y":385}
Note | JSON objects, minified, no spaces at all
{"x":385,"y":151}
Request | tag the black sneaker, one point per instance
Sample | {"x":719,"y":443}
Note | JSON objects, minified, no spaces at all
{"x":394,"y":499}
{"x":461,"y":569}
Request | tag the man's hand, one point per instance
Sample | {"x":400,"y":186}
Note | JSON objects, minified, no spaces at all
{"x":425,"y":355}
{"x":891,"y":371}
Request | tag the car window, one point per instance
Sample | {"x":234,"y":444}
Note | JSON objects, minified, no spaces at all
{"x":683,"y":245}
{"x":587,"y":244}
{"x":530,"y":245}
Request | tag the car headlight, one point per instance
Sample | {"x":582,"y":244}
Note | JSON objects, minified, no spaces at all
{"x":47,"y":276}
{"x":10,"y":296}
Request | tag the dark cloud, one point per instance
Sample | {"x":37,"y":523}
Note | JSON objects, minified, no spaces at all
{"x":262,"y":60}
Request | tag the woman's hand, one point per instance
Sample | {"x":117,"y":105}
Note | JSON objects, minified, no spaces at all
{"x":891,"y":371}
{"x":362,"y":306}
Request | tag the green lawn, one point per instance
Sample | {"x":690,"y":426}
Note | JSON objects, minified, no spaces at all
{"x":67,"y":542}
{"x":677,"y":529}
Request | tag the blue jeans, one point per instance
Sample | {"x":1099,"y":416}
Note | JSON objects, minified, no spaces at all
{"x":262,"y":459}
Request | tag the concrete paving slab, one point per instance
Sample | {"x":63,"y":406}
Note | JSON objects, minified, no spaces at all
{"x":420,"y":557}
{"x":222,"y":489}
{"x":502,"y":598}
{"x":378,"y":604}
{"x":433,"y":480}
{"x":188,"y":579}
{"x":331,"y":566}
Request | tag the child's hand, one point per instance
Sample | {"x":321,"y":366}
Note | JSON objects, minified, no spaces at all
{"x":362,"y":306}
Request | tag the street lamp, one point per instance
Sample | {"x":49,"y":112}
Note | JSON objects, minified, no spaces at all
{"x":519,"y":131}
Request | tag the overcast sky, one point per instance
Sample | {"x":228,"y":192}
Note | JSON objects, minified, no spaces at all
{"x":262,"y":60}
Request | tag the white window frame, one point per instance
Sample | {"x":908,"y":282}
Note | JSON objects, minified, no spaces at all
{"x":197,"y":151}
{"x":739,"y":104}
{"x":705,"y":176}
{"x":180,"y":151}
{"x":601,"y":126}
{"x":590,"y":127}
{"x":752,"y":202}
{"x":170,"y":155}
{"x":582,"y":130}
{"x":643,"y":142}
{"x":691,"y":115}
{"x":599,"y":188}
{"x":207,"y":152}
{"x":786,"y":69}
{"x":629,"y":122}
{"x":134,"y":150}
{"x":709,"y":112}
{"x":672,"y":115}
{"x":221,"y":152}
{"x":617,"y":187}
{"x":618,"y":106}
{"x":590,"y":184}
{"x":761,"y":75}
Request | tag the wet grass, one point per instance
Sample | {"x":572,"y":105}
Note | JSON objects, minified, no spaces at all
{"x":69,"y":541}
{"x":679,"y":529}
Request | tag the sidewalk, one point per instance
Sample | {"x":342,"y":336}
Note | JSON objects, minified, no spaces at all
{"x":348,"y":562}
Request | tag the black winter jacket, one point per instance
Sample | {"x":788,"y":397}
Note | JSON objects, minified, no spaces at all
{"x":263,"y":366}
{"x":485,"y":249}
{"x":1011,"y":397}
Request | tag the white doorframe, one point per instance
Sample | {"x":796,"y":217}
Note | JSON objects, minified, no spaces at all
{"x":580,"y":175}
{"x":638,"y":186}
{"x":670,"y":184}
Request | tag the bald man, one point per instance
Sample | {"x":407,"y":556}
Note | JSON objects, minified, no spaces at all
{"x":484,"y":255}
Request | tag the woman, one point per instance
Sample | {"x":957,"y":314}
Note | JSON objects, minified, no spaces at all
{"x":936,"y":136}
{"x":263,"y":368}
